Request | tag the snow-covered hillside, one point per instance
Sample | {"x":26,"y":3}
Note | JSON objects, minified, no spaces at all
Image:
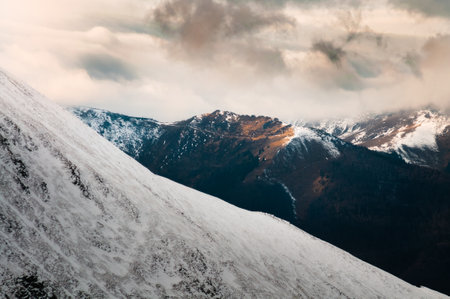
{"x":79,"y":217}
{"x":414,"y":135}
{"x":304,"y":136}
{"x":127,"y":133}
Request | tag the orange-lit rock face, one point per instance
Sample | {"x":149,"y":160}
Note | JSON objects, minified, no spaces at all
{"x":245,"y":126}
{"x":268,"y":136}
{"x":268,"y":146}
{"x":262,"y":136}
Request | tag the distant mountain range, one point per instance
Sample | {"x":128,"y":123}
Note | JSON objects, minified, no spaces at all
{"x":420,"y":137}
{"x":360,"y":185}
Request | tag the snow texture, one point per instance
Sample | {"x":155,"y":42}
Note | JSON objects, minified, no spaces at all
{"x":406,"y":133}
{"x":427,"y":125}
{"x":86,"y":219}
{"x":304,"y":136}
{"x":127,"y":133}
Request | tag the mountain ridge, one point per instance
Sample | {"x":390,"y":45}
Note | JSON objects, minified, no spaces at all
{"x":419,"y":136}
{"x":355,"y":198}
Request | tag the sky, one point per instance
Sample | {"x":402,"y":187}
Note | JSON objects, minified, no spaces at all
{"x":291,"y":59}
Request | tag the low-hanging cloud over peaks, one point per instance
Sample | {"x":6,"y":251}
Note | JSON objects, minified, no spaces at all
{"x":170,"y":59}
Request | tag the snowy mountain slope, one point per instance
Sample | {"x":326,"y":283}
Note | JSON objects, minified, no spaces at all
{"x":127,"y":133}
{"x":304,"y":136}
{"x":419,"y":137}
{"x":80,"y":217}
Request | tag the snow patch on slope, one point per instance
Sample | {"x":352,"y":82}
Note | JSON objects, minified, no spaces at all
{"x":421,"y":134}
{"x":304,"y":135}
{"x":293,"y":199}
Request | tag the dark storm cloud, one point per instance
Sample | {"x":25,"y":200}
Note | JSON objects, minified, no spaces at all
{"x":439,"y":8}
{"x":304,"y":3}
{"x":223,"y":33}
{"x":197,"y":24}
{"x":106,"y":67}
{"x":334,"y":53}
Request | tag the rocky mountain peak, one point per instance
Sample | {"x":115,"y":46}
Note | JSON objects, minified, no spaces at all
{"x":241,"y":126}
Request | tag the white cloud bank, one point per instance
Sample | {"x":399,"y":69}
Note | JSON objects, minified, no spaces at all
{"x":169,"y":59}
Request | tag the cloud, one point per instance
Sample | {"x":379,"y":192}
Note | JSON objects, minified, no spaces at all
{"x":352,"y":22}
{"x":355,"y":52}
{"x":412,"y":60}
{"x":106,"y":67}
{"x":266,"y":59}
{"x":437,"y":52}
{"x":171,"y":59}
{"x":200,"y":23}
{"x":303,"y":3}
{"x":439,"y":8}
{"x":333,"y":53}
{"x":225,"y":33}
